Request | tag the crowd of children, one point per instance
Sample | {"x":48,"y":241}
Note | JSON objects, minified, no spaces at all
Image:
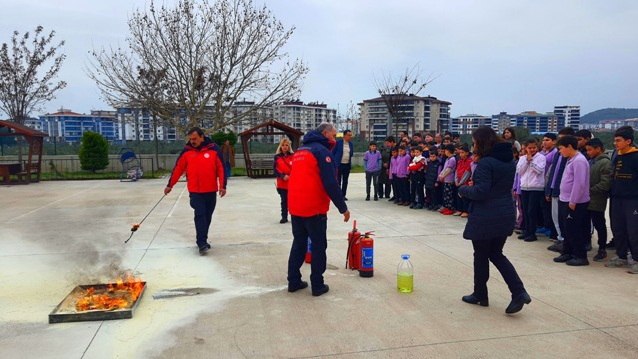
{"x":561,"y":188}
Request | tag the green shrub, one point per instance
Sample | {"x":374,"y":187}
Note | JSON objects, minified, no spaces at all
{"x":94,"y":152}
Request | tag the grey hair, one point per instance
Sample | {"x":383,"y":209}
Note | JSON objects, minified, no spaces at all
{"x":325,"y":126}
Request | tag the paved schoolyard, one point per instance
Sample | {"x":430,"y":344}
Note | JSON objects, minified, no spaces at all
{"x":56,"y":235}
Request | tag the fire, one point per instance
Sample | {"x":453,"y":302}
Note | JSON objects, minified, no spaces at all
{"x":120,"y":295}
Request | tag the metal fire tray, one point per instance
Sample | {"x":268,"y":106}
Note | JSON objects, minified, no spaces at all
{"x":66,"y":312}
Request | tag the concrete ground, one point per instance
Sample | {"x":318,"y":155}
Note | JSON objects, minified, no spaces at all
{"x":56,"y":235}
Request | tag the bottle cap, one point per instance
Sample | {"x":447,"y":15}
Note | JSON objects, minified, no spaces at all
{"x":405,"y":256}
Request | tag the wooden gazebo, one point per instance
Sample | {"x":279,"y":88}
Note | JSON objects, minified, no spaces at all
{"x":32,"y":167}
{"x":258,"y":166}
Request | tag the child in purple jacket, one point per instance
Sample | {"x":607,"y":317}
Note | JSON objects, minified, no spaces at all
{"x":372,"y":166}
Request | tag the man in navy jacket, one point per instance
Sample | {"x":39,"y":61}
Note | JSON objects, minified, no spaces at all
{"x":342,"y":153}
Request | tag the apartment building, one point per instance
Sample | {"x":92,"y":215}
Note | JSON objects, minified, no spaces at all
{"x":464,"y":125}
{"x":568,"y":115}
{"x":411,"y":113}
{"x":68,"y":126}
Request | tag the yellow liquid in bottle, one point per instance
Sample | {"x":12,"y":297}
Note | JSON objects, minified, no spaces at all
{"x":405,"y":282}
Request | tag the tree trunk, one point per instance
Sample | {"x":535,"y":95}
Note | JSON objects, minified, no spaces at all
{"x":157,"y":165}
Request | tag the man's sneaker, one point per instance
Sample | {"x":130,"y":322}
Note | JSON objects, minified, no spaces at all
{"x":563,"y":258}
{"x":600,"y":256}
{"x":412,"y":205}
{"x":617,"y":262}
{"x":577,"y":262}
{"x":204,"y":249}
{"x":633,"y":269}
{"x":556,"y":247}
{"x":295,"y":287}
{"x":418,"y":206}
{"x":530,"y":238}
{"x":319,"y":291}
{"x":611,"y":244}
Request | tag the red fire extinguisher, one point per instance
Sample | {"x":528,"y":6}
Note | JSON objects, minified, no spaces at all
{"x":308,"y":252}
{"x":367,"y":256}
{"x":353,"y":256}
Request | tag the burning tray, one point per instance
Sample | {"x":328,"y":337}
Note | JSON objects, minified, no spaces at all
{"x":99,"y":302}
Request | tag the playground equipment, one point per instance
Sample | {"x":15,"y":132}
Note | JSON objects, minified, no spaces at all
{"x":131,"y":166}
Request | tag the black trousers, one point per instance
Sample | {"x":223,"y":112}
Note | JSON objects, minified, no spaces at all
{"x":384,"y":187}
{"x":303,"y":228}
{"x":283,"y":194}
{"x":344,"y":174}
{"x":531,"y":201}
{"x":600,"y":224}
{"x":491,"y":250}
{"x":417,"y":181}
{"x":403,"y":189}
{"x":624,"y":226}
{"x":204,"y":206}
{"x":577,"y":228}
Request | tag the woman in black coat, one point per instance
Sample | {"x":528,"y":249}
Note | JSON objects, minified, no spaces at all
{"x":491,"y":217}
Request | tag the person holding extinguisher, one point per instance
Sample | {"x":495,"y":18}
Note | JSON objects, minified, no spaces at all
{"x":311,"y":186}
{"x":491,"y":217}
{"x":282,"y":166}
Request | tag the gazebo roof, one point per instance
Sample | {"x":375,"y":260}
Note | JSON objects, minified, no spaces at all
{"x":275,"y":124}
{"x":22,"y":129}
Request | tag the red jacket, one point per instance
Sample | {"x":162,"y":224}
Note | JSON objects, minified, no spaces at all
{"x":203,"y":167}
{"x":313,"y":182}
{"x":463,"y":170}
{"x":283,"y":166}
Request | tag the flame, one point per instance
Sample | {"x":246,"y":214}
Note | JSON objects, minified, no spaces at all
{"x":120,"y":295}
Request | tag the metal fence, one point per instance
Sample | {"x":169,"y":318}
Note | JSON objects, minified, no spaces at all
{"x":70,"y":168}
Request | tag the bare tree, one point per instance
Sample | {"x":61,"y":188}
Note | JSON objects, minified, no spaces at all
{"x":21,"y":90}
{"x":201,"y":58}
{"x":396,"y":93}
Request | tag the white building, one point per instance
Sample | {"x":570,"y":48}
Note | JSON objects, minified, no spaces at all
{"x":296,"y":114}
{"x":570,"y":115}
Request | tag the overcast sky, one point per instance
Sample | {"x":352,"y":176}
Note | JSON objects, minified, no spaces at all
{"x":487,"y":55}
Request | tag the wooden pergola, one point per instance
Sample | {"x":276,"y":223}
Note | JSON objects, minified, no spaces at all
{"x":32,"y":167}
{"x":260,"y":167}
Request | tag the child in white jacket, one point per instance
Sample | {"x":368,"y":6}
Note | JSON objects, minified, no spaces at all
{"x":531,"y":169}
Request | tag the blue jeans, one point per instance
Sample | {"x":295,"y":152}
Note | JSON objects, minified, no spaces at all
{"x":303,"y":228}
{"x":204,"y":206}
{"x":344,"y":173}
{"x":227,"y":169}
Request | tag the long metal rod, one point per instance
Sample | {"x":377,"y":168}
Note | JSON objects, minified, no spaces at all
{"x":133,"y":232}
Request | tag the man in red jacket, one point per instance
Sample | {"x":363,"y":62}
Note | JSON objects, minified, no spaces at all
{"x":311,"y":186}
{"x":201,"y":160}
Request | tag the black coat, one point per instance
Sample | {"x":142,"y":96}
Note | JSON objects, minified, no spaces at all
{"x":491,"y":213}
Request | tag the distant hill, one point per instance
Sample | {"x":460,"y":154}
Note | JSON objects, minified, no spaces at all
{"x":609,"y":114}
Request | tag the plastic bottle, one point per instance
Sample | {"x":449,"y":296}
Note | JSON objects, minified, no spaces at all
{"x":308,"y":258}
{"x":405,"y":275}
